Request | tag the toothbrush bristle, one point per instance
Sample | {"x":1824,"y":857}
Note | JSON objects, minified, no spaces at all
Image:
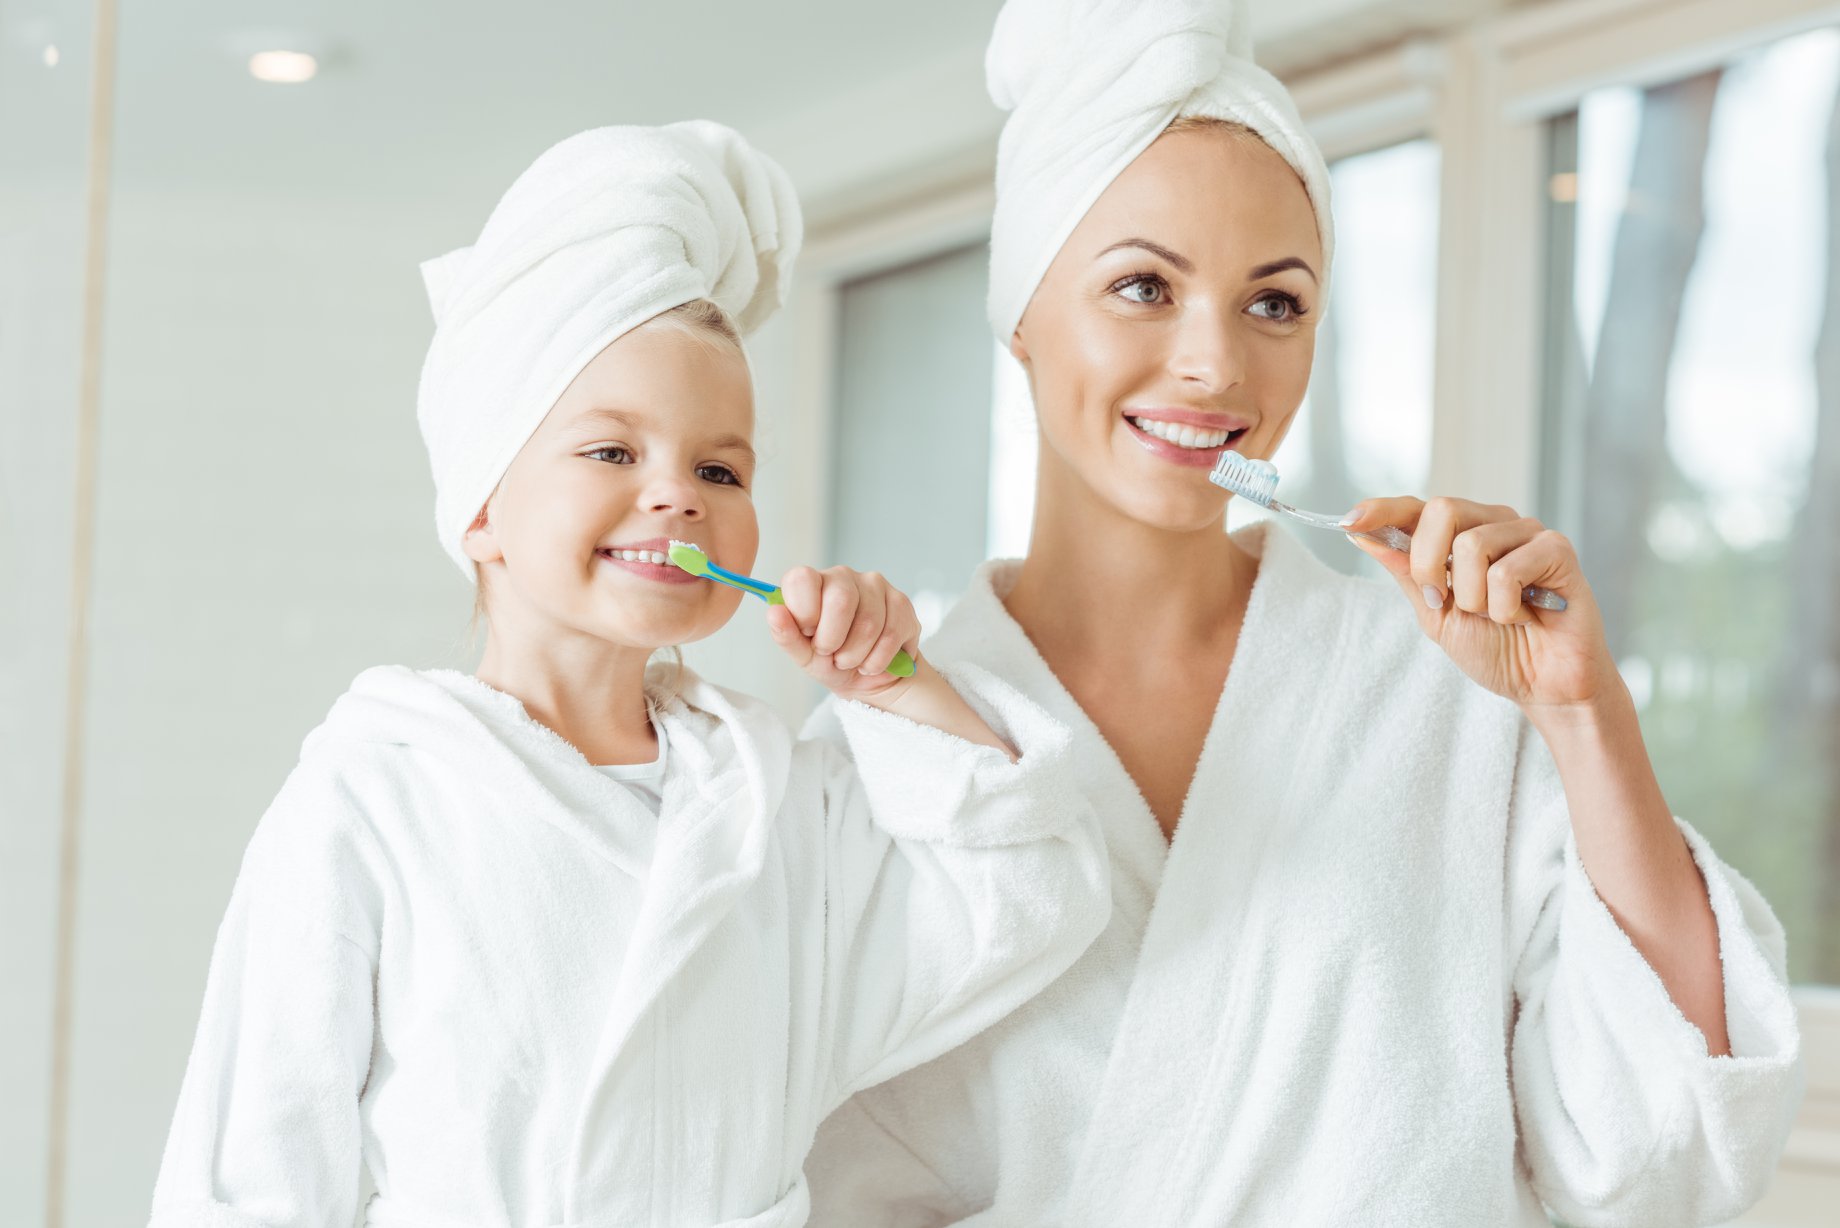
{"x":1256,"y":480}
{"x":689,"y":557}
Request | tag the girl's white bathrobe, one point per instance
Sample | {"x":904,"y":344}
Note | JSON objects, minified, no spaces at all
{"x":1368,"y":983}
{"x":458,"y":954}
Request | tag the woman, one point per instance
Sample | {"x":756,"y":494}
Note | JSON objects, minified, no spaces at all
{"x":1403,"y":932}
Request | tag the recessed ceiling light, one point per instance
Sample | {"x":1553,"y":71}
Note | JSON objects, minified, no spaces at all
{"x":283,"y":67}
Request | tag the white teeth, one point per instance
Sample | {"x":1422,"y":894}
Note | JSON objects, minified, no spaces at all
{"x":1181,"y":436}
{"x":641,"y":556}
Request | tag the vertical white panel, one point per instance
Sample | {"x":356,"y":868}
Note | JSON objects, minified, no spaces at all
{"x":45,"y":83}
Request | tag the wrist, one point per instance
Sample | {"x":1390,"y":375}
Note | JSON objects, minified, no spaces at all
{"x":1608,"y":716}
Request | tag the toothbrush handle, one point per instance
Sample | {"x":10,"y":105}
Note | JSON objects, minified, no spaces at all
{"x":1400,"y":540}
{"x":901,"y":667}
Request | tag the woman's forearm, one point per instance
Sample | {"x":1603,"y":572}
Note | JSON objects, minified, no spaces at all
{"x":1636,"y":856}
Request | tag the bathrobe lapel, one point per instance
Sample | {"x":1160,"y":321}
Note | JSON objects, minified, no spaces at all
{"x":1161,"y":1064}
{"x":539,"y":774}
{"x":1195,"y":889}
{"x":726,"y":785}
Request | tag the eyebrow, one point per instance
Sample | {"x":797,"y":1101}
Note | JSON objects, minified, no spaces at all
{"x":621,"y":418}
{"x":1181,"y":262}
{"x":1185,"y":265}
{"x":1278,"y":266}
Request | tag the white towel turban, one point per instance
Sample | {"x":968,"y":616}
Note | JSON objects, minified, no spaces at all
{"x":1089,"y":84}
{"x":603,"y":232}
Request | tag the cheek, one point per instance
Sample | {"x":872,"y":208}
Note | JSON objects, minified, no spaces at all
{"x":739,"y":530}
{"x":1095,"y":362}
{"x":1279,"y":376}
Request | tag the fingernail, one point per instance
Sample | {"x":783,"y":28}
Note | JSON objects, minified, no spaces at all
{"x":1433,"y":597}
{"x":1349,"y":519}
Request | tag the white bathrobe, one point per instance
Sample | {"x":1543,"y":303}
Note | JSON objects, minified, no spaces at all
{"x":458,"y":954}
{"x":1367,"y":984}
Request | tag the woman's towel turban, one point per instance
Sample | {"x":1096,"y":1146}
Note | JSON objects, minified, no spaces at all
{"x":1089,"y":84}
{"x":603,"y":232}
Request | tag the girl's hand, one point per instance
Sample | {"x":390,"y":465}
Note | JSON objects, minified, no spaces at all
{"x":1550,"y":663}
{"x":843,"y":627}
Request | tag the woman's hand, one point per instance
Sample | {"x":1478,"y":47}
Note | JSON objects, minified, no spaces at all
{"x":1550,"y":663}
{"x":844,"y":627}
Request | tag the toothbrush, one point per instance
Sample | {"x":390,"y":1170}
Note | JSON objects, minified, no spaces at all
{"x":692,"y":559}
{"x":1257,"y":480}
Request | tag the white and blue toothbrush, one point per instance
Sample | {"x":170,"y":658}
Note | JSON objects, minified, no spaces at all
{"x":1257,"y":481}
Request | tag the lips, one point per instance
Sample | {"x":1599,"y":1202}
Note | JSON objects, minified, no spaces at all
{"x":1184,"y":437}
{"x":649,"y":559}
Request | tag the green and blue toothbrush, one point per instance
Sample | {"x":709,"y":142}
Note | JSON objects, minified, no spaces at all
{"x":692,"y":559}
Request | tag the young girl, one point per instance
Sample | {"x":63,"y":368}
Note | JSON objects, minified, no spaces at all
{"x":573,"y":943}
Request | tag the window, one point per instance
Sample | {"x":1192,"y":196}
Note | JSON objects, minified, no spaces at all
{"x":909,"y":465}
{"x":1692,"y":444}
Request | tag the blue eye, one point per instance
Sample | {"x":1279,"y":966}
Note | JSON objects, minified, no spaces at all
{"x":1144,"y":289}
{"x":611,"y":450}
{"x":722,"y":475}
{"x":1278,"y":307}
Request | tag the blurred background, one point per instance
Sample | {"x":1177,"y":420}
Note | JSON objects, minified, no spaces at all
{"x":1588,"y":266}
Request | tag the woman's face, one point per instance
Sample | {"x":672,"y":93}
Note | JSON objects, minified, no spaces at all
{"x":649,"y":443}
{"x":1178,"y":320}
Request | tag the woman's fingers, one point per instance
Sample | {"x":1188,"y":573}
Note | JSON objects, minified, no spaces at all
{"x":1546,"y":559}
{"x":1472,"y":561}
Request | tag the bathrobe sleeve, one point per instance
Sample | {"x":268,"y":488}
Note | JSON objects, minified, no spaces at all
{"x":961,"y":883}
{"x":266,"y":1133}
{"x":1624,"y":1118}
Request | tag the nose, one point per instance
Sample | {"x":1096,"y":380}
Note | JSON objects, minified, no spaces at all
{"x":1206,"y":352}
{"x":673,"y":496}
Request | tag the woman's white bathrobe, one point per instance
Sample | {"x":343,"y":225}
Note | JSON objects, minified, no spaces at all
{"x":1367,"y":984}
{"x":460,"y":955}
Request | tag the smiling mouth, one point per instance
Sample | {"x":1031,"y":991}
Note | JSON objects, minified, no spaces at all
{"x":1192,"y":438}
{"x":637,"y":556}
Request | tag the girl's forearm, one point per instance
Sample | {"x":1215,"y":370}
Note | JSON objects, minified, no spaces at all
{"x":928,"y":699}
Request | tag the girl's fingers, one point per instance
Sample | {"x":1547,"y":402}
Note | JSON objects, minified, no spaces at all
{"x":870,"y":619}
{"x":901,"y":630}
{"x":836,"y":611}
{"x":802,"y":589}
{"x":1473,"y":555}
{"x":785,"y":629}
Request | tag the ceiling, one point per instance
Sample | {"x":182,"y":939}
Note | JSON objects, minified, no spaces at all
{"x":455,"y":98}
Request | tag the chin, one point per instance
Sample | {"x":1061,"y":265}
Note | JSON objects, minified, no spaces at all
{"x":1176,"y":502}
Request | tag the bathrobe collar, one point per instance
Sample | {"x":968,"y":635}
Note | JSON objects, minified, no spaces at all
{"x":731,"y":758}
{"x":1294,"y":602}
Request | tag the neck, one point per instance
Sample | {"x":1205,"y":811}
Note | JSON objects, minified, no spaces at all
{"x":589,"y":691}
{"x":1094,"y":574}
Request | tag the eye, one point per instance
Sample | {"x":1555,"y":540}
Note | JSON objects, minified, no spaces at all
{"x":722,"y":475}
{"x":1145,"y":289}
{"x":613,"y":454}
{"x":1278,"y":307}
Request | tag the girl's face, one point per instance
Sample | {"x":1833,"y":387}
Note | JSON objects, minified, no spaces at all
{"x":650,"y":442}
{"x":1177,"y":321}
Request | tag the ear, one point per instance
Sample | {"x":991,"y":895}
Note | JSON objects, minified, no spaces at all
{"x":480,"y":542}
{"x":1017,"y":349}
